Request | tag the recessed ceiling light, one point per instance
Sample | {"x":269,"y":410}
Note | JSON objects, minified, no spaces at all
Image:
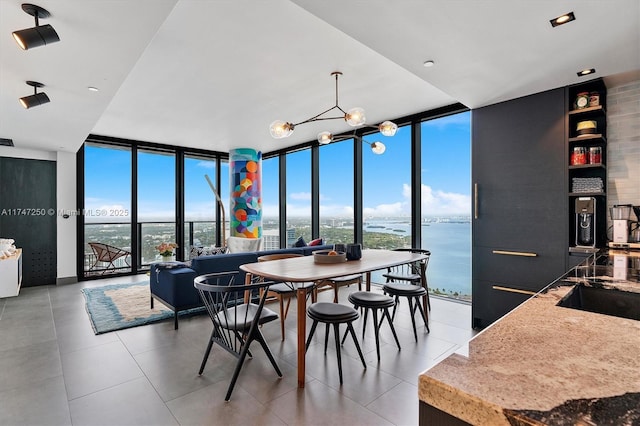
{"x":586,"y":72}
{"x":563,"y":19}
{"x":6,"y":142}
{"x":428,"y":63}
{"x":93,"y":89}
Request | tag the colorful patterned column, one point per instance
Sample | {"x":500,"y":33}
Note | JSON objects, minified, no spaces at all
{"x":245,"y":166}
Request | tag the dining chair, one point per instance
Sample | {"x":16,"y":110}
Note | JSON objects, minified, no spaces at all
{"x":337,"y":282}
{"x":236,"y":312}
{"x":410,"y":281}
{"x":282,"y":291}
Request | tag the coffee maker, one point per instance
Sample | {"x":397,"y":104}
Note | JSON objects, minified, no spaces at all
{"x":585,"y":209}
{"x":620,"y":216}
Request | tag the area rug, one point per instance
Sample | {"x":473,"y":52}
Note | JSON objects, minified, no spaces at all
{"x":119,"y":306}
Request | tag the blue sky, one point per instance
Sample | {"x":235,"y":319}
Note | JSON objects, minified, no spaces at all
{"x":446,"y":167}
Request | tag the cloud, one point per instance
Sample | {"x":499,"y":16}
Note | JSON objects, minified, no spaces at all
{"x":441,"y":203}
{"x":206,"y":164}
{"x":305,"y":196}
{"x":450,"y":120}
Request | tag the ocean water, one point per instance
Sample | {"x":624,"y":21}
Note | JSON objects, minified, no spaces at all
{"x":449,"y":267}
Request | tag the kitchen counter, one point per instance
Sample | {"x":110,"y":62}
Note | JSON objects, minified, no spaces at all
{"x":547,"y":364}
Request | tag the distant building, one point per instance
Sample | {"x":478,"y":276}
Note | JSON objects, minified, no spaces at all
{"x":271,"y":238}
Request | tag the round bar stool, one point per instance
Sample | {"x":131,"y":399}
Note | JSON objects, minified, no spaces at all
{"x":336,"y":314}
{"x":374,"y":301}
{"x":413,"y":293}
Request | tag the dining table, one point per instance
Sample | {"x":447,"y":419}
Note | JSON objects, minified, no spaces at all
{"x":305,"y":269}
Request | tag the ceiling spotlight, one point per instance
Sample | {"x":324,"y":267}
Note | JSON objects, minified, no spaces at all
{"x":93,"y":89}
{"x":40,"y":35}
{"x":35,"y":99}
{"x":586,"y":72}
{"x":562,"y":19}
{"x":428,"y":63}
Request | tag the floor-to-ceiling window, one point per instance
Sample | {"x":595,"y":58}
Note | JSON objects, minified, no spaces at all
{"x":446,"y":203}
{"x":298,"y":201}
{"x":200,"y":204}
{"x":336,"y":192}
{"x":271,"y":203}
{"x":386,"y":192}
{"x":156,"y":203}
{"x":107,"y":207}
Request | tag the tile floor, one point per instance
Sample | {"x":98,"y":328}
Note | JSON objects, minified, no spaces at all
{"x":55,"y":371}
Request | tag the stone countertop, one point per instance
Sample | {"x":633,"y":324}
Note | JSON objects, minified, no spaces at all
{"x":546,"y":364}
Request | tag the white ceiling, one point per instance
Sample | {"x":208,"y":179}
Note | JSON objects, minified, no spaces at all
{"x":213,"y":74}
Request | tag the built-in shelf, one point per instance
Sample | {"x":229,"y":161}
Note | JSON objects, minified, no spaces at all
{"x":593,"y":109}
{"x":594,"y":138}
{"x":587,"y":194}
{"x":588,"y":166}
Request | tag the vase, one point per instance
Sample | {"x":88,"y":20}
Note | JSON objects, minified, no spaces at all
{"x":167,"y":258}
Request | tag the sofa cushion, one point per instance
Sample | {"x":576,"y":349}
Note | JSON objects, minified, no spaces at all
{"x":300,"y":242}
{"x":316,"y":242}
{"x":224,"y":263}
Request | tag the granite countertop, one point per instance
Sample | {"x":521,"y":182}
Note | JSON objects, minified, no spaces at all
{"x":547,"y":364}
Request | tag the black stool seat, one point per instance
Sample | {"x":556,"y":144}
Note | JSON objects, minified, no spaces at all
{"x":332,"y":313}
{"x":399,"y":289}
{"x":336,"y":314}
{"x":374,"y":301}
{"x":368,"y":299}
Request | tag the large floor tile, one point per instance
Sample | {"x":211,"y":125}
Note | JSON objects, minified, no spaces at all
{"x":29,"y":365}
{"x":130,"y":403}
{"x":319,"y":404}
{"x":41,"y":403}
{"x":399,"y":405}
{"x":208,"y":407}
{"x":97,"y":368}
{"x":173,"y":369}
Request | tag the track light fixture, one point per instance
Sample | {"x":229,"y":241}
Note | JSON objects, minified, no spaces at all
{"x":40,"y":35}
{"x":355,"y":117}
{"x":35,"y":99}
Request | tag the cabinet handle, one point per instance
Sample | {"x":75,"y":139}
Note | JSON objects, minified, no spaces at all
{"x":475,"y":200}
{"x":515,"y":253}
{"x":513,"y":290}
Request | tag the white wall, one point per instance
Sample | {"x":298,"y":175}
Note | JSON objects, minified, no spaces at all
{"x":66,"y":202}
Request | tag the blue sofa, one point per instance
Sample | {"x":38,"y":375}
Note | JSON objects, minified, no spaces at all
{"x":174,"y":287}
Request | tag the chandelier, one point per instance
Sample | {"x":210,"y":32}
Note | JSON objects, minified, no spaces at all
{"x":355,"y":117}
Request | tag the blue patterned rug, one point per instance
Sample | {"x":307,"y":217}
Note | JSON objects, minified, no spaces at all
{"x":119,"y":306}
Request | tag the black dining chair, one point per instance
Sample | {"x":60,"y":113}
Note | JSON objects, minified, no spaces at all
{"x":410,"y":281}
{"x":237,"y":312}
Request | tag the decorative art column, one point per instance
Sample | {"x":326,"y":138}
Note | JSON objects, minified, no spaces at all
{"x":245,"y":166}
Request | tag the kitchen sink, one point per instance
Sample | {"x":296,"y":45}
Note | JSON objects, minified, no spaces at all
{"x":623,"y":304}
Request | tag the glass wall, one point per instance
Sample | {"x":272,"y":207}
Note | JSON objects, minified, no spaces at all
{"x":386,"y":192}
{"x":156,"y":203}
{"x":271,"y":203}
{"x":199,"y":204}
{"x":107,"y":207}
{"x":336,"y":192}
{"x":299,"y":195}
{"x":446,"y":203}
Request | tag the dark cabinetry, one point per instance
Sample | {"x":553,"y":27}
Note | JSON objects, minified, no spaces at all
{"x":520,"y":215}
{"x":586,"y":132}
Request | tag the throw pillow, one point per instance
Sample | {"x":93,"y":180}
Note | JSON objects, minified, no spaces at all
{"x":316,"y":242}
{"x":300,"y":242}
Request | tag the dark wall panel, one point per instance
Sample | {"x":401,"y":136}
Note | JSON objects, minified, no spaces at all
{"x":28,"y":215}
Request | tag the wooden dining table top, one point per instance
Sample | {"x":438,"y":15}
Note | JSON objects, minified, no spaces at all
{"x":303,"y":269}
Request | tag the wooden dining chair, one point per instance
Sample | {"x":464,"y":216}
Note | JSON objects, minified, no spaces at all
{"x":282,"y":291}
